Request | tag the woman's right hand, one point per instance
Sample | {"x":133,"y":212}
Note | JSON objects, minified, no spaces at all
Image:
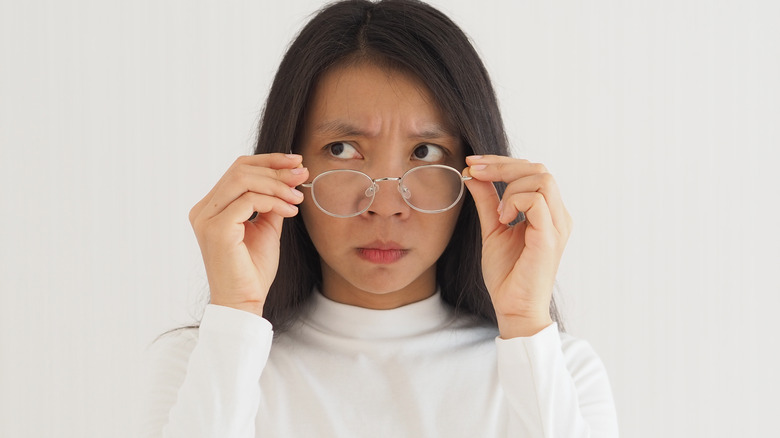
{"x":242,"y":257}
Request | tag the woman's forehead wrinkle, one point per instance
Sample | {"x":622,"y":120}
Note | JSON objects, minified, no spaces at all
{"x":344,"y":128}
{"x":430,"y":131}
{"x":343,"y":110}
{"x":340,"y":128}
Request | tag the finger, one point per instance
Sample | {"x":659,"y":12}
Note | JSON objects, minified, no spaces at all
{"x":244,"y":171}
{"x":260,"y":184}
{"x":501,"y":168}
{"x":261,"y":161}
{"x":237,"y":212}
{"x":533,"y":204}
{"x":253,"y":164}
{"x":487,"y":201}
{"x":545,"y":184}
{"x":273,"y":160}
{"x":523,"y":175}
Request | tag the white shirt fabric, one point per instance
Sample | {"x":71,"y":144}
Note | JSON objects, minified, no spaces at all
{"x":345,"y":371}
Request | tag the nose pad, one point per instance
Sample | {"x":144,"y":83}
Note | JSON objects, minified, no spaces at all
{"x":388,"y":204}
{"x":404,"y":191}
{"x":371,"y":190}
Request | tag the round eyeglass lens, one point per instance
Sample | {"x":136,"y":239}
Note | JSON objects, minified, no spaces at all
{"x":432,"y":188}
{"x":342,"y":193}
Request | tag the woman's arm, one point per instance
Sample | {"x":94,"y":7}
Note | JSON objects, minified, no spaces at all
{"x":553,"y":389}
{"x":205,"y":382}
{"x":208,"y":385}
{"x":556,"y":386}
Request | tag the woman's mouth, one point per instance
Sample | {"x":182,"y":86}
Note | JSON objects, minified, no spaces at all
{"x":382,"y":253}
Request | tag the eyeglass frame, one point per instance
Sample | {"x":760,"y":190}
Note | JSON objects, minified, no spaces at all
{"x":375,"y":186}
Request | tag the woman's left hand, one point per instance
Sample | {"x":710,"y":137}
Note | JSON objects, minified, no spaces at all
{"x":519,"y":262}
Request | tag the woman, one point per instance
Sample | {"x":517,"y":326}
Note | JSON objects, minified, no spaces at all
{"x":357,"y":288}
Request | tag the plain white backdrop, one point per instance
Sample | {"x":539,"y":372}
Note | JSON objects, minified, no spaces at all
{"x":659,"y":119}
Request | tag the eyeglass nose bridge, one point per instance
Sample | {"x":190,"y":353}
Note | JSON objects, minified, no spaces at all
{"x":402,"y":189}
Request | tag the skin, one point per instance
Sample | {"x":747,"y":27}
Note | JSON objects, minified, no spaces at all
{"x":378,"y":120}
{"x":389,"y":115}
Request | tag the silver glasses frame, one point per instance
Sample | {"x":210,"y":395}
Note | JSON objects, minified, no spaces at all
{"x":375,"y":187}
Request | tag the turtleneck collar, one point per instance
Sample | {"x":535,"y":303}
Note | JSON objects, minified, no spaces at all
{"x":354,"y":322}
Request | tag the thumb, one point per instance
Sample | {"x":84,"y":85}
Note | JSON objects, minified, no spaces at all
{"x":486,"y":199}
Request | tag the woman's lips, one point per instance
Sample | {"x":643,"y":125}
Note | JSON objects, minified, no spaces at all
{"x":382,"y":253}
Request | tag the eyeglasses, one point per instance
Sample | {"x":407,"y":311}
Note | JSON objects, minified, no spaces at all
{"x":432,"y":188}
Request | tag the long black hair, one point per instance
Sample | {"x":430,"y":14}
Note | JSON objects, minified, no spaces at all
{"x":401,"y":34}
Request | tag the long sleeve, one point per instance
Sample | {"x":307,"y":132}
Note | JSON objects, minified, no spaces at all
{"x":555,"y":388}
{"x":205,"y":383}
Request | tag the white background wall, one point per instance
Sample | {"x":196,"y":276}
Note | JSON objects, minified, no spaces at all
{"x":659,"y":120}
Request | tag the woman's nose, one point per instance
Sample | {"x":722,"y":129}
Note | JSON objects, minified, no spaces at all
{"x":388,"y":200}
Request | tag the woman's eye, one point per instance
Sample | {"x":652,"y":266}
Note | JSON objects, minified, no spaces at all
{"x":343,"y":150}
{"x":428,"y":152}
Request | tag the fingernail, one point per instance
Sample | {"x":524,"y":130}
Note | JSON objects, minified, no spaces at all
{"x":293,"y":156}
{"x":478,"y":166}
{"x":475,"y":157}
{"x":297,"y":193}
{"x":298,"y":170}
{"x":500,"y":207}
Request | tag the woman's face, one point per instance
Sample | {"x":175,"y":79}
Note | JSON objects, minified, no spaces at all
{"x":383,"y":123}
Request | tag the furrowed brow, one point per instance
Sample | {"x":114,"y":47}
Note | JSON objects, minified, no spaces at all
{"x":339,"y":128}
{"x":433,"y":132}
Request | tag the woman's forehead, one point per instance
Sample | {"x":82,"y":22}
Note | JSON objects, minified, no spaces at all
{"x":363,"y":99}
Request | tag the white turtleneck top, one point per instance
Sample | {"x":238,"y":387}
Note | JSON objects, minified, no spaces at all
{"x":345,"y":371}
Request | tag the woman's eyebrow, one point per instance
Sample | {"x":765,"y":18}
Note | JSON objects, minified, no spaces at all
{"x":341,"y":128}
{"x":433,"y":131}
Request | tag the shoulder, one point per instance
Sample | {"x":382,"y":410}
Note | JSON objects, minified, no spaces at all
{"x":579,"y":355}
{"x":164,"y":368}
{"x":174,"y":344}
{"x":549,"y":346}
{"x":218,"y":325}
{"x":181,"y":335}
{"x":589,"y":375}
